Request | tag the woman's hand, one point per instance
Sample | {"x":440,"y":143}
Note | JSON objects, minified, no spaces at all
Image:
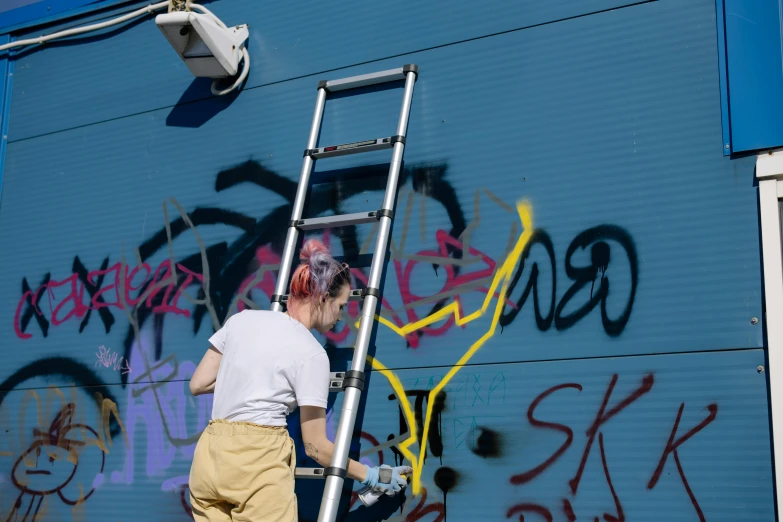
{"x":387,"y":479}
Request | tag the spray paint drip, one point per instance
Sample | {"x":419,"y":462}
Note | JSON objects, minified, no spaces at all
{"x":445,"y":478}
{"x":599,"y":256}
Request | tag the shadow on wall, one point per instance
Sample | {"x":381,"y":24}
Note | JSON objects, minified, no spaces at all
{"x":185,"y":114}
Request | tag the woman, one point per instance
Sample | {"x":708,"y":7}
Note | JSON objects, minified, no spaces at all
{"x":261,"y":365}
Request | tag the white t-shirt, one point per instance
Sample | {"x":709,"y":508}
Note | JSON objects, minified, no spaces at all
{"x":271,"y":363}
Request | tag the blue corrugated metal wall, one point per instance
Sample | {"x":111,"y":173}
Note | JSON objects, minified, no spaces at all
{"x":622,"y":376}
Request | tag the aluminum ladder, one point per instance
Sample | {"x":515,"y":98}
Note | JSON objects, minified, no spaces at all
{"x":352,"y":381}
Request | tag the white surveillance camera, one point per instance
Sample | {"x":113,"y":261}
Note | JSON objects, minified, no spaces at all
{"x":205,"y":44}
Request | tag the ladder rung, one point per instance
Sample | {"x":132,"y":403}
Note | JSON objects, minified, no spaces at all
{"x":309,"y":473}
{"x":354,"y":148}
{"x":364,"y":80}
{"x":355,"y":295}
{"x":342,"y":220}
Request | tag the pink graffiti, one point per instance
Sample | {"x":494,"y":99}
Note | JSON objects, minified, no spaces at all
{"x":264,"y":256}
{"x":62,"y":308}
{"x":453,"y":281}
{"x":114,"y":360}
{"x":404,"y":271}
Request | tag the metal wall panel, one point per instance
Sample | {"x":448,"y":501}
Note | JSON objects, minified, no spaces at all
{"x":119,"y":71}
{"x":680,"y":272}
{"x":638,"y":438}
{"x":589,"y":144}
{"x":753,"y":79}
{"x":16,"y":12}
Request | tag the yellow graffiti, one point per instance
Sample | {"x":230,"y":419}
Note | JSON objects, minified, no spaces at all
{"x":55,"y":404}
{"x":500,"y":280}
{"x":108,"y":408}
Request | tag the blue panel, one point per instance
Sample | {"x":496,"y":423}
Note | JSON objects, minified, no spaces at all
{"x":100,"y":81}
{"x":25,"y":11}
{"x":684,"y":271}
{"x":517,"y":434}
{"x":724,"y":81}
{"x":642,"y":258}
{"x":15,"y":4}
{"x":755,"y":73}
{"x":679,"y":435}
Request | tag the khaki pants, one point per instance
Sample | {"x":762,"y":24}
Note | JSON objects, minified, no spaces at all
{"x":243,"y":472}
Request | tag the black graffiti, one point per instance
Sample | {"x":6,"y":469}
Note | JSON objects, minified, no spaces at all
{"x":231,"y":263}
{"x":543,"y":322}
{"x":445,"y":478}
{"x":30,"y":301}
{"x":434,"y":435}
{"x":599,"y":240}
{"x":73,"y":372}
{"x":600,"y":258}
{"x":488,"y":443}
{"x":92,"y":288}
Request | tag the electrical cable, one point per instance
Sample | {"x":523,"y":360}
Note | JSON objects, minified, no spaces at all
{"x":171,"y":4}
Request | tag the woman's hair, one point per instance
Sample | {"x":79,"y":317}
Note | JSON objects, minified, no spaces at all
{"x":319,"y":275}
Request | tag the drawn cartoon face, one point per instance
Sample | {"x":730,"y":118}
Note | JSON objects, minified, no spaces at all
{"x":43,"y":469}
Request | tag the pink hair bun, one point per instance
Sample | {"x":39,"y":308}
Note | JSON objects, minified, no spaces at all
{"x":311,"y":248}
{"x":319,"y":274}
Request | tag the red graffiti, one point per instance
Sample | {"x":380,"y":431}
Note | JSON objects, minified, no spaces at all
{"x":372,"y":440}
{"x":595,"y":430}
{"x":569,"y":510}
{"x":420,"y":511}
{"x":671,"y":448}
{"x":354,"y":498}
{"x":529,"y":508}
{"x":601,"y":419}
{"x":533,"y":473}
{"x":620,"y":517}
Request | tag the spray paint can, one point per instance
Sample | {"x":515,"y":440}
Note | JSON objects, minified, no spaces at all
{"x":370,"y":496}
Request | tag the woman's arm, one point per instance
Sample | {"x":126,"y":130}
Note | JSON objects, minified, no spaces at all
{"x":203,"y":380}
{"x":318,"y":447}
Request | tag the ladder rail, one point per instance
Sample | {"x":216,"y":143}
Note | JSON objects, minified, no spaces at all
{"x":352,"y":382}
{"x":334,"y":483}
{"x":292,"y":235}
